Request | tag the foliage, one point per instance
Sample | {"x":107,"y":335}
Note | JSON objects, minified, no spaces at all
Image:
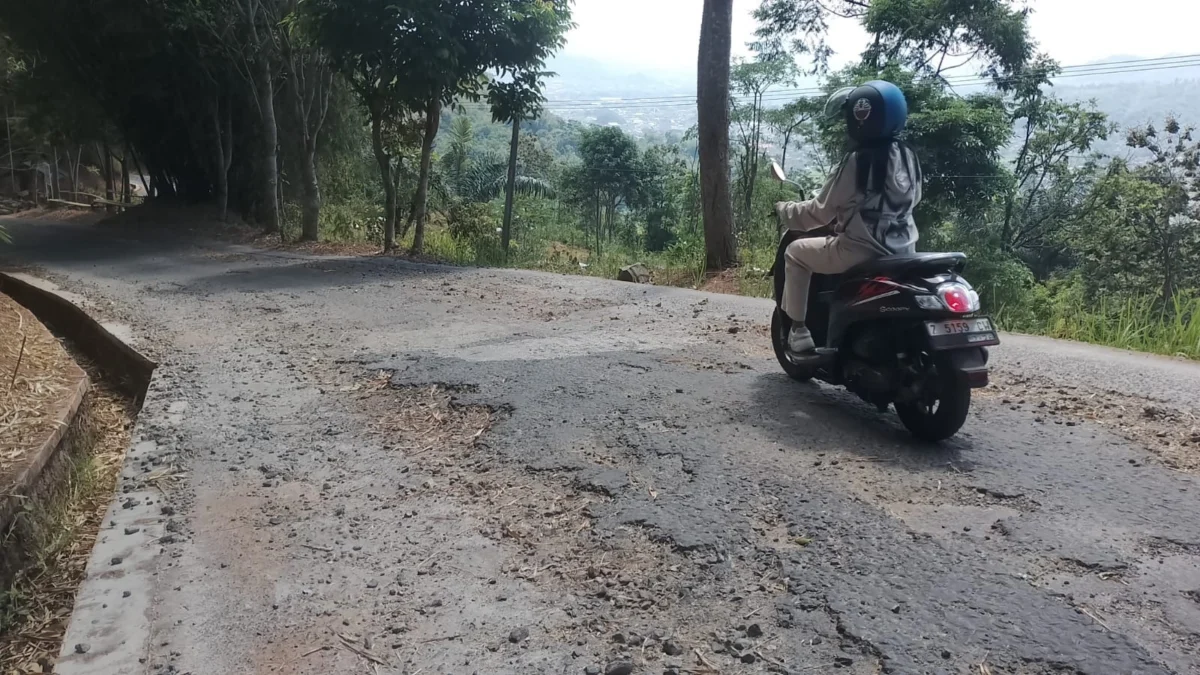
{"x":927,"y":36}
{"x":471,"y":222}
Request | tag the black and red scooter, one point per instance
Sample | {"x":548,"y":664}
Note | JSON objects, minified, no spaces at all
{"x":903,"y":329}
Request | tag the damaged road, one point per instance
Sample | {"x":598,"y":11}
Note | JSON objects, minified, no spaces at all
{"x":368,"y":465}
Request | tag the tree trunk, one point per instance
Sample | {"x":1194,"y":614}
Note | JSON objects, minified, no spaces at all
{"x":712,"y":95}
{"x":108,"y":178}
{"x":223,"y":128}
{"x":57,"y":187}
{"x":265,"y":85}
{"x":433,"y":118}
{"x":311,"y":82}
{"x":126,"y":194}
{"x":506,"y":235}
{"x":311,"y":206}
{"x":385,"y":176}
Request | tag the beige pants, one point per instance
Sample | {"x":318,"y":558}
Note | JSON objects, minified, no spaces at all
{"x":817,"y":255}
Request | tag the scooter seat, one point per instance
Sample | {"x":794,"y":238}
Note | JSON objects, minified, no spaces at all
{"x":896,"y":265}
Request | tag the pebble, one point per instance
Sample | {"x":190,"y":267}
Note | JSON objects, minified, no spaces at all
{"x":132,"y":530}
{"x":591,"y":670}
{"x":116,"y":560}
{"x":748,"y":657}
{"x":672,"y":648}
{"x":518,"y":635}
{"x":754,"y":630}
{"x":83,"y":648}
{"x":619,"y":668}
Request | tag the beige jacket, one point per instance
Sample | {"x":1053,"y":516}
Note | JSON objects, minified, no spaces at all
{"x":881,"y":219}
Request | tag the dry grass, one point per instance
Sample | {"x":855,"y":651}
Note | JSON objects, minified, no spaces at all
{"x":36,"y":373}
{"x":61,"y":215}
{"x":35,"y":609}
{"x":420,"y":419}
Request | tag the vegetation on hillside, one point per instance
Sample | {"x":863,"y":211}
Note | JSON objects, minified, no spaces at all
{"x":362,"y":120}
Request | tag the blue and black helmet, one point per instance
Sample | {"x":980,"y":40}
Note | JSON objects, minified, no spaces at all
{"x":873,"y":111}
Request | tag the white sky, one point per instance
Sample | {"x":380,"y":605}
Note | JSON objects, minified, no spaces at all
{"x":663,"y":34}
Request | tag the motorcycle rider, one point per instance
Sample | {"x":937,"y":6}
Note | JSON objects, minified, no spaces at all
{"x":867,"y":203}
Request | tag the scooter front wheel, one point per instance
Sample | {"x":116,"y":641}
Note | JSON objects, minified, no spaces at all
{"x":780,"y":325}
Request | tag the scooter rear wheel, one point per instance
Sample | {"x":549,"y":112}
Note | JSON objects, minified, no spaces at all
{"x":780,"y":325}
{"x":941,"y":414}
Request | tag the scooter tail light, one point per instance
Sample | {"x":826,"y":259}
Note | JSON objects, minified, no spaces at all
{"x":958,"y":298}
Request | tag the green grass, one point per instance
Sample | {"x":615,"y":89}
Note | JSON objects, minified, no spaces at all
{"x":1137,"y":323}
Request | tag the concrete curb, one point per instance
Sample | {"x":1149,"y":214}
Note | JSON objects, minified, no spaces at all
{"x":112,"y":608}
{"x":127,"y":367}
{"x":34,"y":479}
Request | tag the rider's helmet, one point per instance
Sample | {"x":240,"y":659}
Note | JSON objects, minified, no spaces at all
{"x":873,"y":111}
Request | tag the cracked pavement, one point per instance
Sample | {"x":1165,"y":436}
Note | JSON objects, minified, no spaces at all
{"x":645,"y":488}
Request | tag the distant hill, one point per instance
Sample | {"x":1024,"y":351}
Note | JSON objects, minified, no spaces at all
{"x":1129,"y":98}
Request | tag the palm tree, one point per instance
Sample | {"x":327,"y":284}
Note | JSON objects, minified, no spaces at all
{"x":484,"y":179}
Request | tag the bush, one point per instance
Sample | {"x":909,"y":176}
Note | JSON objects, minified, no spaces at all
{"x":472,"y":223}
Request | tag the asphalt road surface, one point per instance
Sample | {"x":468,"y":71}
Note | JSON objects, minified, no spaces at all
{"x":369,"y":465}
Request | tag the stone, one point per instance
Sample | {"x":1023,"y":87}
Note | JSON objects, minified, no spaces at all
{"x":636,"y":273}
{"x":619,"y":668}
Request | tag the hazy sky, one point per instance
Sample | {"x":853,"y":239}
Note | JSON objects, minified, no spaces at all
{"x":663,"y":34}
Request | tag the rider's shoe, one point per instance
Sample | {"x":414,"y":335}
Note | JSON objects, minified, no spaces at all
{"x":800,"y":342}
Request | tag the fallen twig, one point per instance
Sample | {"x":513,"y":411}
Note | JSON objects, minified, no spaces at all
{"x":1095,"y":618}
{"x":360,"y":651}
{"x":318,"y":548}
{"x":705,"y":661}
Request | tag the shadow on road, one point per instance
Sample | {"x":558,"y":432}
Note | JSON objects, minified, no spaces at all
{"x":812,"y":418}
{"x":251,"y":273}
{"x":188,"y":265}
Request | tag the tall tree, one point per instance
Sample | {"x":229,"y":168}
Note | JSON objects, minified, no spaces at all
{"x":606,"y":179}
{"x":752,"y":80}
{"x":712,"y":100}
{"x":309,"y":88}
{"x":514,"y":101}
{"x":249,"y":30}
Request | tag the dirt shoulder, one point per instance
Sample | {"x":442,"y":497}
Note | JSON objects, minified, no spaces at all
{"x":37,"y":379}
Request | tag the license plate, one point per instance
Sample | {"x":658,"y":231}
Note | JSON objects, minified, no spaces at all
{"x":959,"y":327}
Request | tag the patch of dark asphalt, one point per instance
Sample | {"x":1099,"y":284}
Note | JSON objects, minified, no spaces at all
{"x":860,"y":561}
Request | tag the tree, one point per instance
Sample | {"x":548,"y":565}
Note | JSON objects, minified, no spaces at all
{"x":249,"y":31}
{"x":462,"y":135}
{"x":606,"y":180}
{"x":1143,"y":237}
{"x":752,"y":80}
{"x":359,"y":36}
{"x":712,"y":100}
{"x":513,"y":101}
{"x":474,"y":37}
{"x":310,"y":85}
{"x":1043,"y":191}
{"x":929,"y":36}
{"x":794,"y":120}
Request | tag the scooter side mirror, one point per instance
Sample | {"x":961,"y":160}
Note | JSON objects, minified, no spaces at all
{"x":777,"y":172}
